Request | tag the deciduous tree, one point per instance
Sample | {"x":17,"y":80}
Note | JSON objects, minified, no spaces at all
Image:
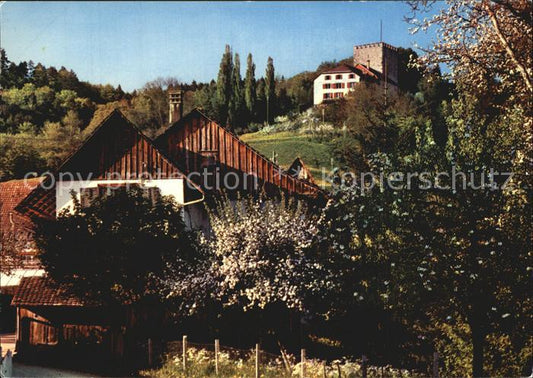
{"x":114,"y":250}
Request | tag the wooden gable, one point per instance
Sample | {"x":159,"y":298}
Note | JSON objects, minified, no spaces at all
{"x":115,"y":150}
{"x":195,"y":139}
{"x":299,"y":169}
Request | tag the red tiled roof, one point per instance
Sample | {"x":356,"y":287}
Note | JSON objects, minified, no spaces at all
{"x":43,"y":291}
{"x":359,"y":69}
{"x":11,"y":195}
{"x":366,"y":71}
{"x":341,"y":68}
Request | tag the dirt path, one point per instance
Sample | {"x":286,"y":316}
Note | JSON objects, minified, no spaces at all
{"x":7,"y":342}
{"x":22,"y":370}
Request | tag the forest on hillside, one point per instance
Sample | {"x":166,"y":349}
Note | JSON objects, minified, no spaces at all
{"x":45,"y":112}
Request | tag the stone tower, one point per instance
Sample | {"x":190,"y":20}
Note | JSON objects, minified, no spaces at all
{"x":379,"y":56}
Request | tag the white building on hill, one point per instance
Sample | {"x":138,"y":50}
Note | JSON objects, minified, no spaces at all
{"x":374,"y":62}
{"x":337,"y":82}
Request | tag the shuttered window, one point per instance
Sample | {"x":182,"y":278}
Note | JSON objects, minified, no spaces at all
{"x":154,"y":193}
{"x":88,"y":195}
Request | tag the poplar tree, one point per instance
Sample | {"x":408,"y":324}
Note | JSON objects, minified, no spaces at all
{"x":270,"y":89}
{"x":260,"y":112}
{"x":224,"y":87}
{"x":249,"y":87}
{"x":236,"y":109}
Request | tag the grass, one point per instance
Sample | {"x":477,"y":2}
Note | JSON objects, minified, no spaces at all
{"x":289,"y":145}
{"x":200,"y":363}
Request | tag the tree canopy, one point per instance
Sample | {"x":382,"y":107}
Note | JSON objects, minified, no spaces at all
{"x":113,"y":250}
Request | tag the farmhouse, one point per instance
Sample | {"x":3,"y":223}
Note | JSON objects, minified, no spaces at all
{"x":191,"y":161}
{"x":337,"y":82}
{"x":16,"y":235}
{"x":16,"y":242}
{"x":217,"y":160}
{"x":373,"y":62}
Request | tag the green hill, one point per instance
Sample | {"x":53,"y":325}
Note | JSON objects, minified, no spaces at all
{"x":288,"y":145}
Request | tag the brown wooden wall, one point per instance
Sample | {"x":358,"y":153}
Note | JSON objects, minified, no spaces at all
{"x":197,"y":135}
{"x":115,"y":150}
{"x":118,"y":148}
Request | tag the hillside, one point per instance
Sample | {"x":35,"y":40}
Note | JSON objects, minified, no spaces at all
{"x":290,"y":144}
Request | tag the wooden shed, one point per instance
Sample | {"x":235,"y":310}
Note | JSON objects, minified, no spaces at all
{"x":50,"y":317}
{"x":299,"y":170}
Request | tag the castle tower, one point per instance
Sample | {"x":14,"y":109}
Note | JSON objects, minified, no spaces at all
{"x":175,"y":99}
{"x":380,"y":57}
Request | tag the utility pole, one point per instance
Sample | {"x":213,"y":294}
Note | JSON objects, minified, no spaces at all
{"x":1,"y":20}
{"x":268,"y":115}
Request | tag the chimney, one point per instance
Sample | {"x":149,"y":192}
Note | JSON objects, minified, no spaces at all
{"x":368,"y":64}
{"x":175,"y":98}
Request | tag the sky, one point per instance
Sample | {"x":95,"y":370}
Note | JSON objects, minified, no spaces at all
{"x":130,"y":43}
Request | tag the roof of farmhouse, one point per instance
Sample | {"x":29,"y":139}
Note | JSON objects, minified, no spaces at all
{"x":43,"y":291}
{"x":11,"y":195}
{"x":359,"y":69}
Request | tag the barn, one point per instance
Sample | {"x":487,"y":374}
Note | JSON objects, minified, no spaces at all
{"x":193,"y":161}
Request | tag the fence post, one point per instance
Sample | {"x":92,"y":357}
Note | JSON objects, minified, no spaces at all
{"x":363,"y":365}
{"x":302,"y":361}
{"x":436,"y":365}
{"x":217,"y":349}
{"x":257,"y":360}
{"x":149,"y":351}
{"x":184,"y":350}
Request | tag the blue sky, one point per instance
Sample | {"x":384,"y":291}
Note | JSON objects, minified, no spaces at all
{"x":130,"y":43}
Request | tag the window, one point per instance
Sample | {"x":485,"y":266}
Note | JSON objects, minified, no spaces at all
{"x":351,"y":85}
{"x":327,"y":96}
{"x":209,"y":159}
{"x":208,"y":167}
{"x":326,"y":86}
{"x":89,"y":195}
{"x":338,"y":77}
{"x":328,"y":77}
{"x":351,"y":76}
{"x":339,"y":95}
{"x":339,"y":85}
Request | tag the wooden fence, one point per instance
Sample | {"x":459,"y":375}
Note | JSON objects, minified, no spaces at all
{"x":261,"y":356}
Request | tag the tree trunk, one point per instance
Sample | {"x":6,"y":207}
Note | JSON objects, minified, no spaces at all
{"x":478,"y":344}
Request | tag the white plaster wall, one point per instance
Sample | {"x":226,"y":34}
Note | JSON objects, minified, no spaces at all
{"x":318,"y":90}
{"x":173,"y":187}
